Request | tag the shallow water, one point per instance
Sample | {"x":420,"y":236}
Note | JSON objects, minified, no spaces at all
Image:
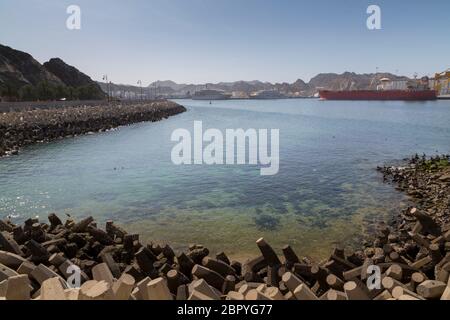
{"x":327,"y":189}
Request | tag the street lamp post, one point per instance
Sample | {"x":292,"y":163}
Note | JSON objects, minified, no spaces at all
{"x":105,"y":78}
{"x":108,"y":83}
{"x":140,"y":84}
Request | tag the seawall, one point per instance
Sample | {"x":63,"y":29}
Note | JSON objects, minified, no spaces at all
{"x":46,"y":122}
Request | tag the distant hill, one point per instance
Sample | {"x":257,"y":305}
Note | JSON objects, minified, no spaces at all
{"x":125,"y":91}
{"x":329,"y":81}
{"x":238,"y":86}
{"x":299,"y":88}
{"x":24,"y":78}
{"x":167,"y":84}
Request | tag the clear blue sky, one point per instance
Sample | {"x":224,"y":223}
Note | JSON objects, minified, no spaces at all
{"x":199,"y":41}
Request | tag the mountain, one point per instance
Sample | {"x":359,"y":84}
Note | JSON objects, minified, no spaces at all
{"x":24,"y":78}
{"x":299,"y":85}
{"x":328,"y":81}
{"x":171,"y":87}
{"x":18,"y":68}
{"x":69,"y":75}
{"x":72,"y":77}
{"x":247,"y":86}
{"x":299,"y":88}
{"x":167,"y":84}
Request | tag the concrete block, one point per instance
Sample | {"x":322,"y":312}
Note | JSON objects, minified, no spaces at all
{"x":52,"y":289}
{"x":157,"y":289}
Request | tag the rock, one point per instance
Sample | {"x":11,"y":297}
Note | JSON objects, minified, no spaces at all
{"x":254,"y":294}
{"x":157,"y":290}
{"x":303,"y":292}
{"x":446,"y":294}
{"x":123,"y":287}
{"x":18,"y":288}
{"x":211,"y":277}
{"x":220,"y":267}
{"x":8,"y":243}
{"x":101,"y":272}
{"x":233,"y":295}
{"x":431,"y":289}
{"x":354,"y":291}
{"x":198,"y":296}
{"x":204,"y":288}
{"x":6,"y":273}
{"x":395,"y":272}
{"x":52,"y":289}
{"x":11,"y":260}
{"x":95,"y":290}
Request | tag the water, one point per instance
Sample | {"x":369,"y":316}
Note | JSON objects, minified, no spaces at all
{"x":327,"y":189}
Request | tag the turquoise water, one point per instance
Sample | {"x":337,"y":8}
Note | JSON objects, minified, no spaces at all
{"x":327,"y":189}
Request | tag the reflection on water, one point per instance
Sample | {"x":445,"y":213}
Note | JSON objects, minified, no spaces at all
{"x":327,"y":189}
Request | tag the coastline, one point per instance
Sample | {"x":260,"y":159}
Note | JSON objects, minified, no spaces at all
{"x":412,"y":252}
{"x":44,"y":124}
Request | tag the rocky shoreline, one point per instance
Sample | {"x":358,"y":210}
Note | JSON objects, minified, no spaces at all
{"x":412,"y":255}
{"x":18,"y":129}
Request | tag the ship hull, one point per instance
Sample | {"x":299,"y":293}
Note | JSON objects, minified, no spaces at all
{"x":403,"y":95}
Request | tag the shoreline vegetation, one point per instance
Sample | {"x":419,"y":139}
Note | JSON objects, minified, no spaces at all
{"x":412,"y":254}
{"x":21,"y":128}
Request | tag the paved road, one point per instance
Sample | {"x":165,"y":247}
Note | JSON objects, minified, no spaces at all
{"x":22,"y":106}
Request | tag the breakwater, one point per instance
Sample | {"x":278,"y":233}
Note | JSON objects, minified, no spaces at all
{"x":411,"y":255}
{"x":21,"y":128}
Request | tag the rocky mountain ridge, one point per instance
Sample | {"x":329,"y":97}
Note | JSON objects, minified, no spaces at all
{"x":19,"y":68}
{"x":328,"y":81}
{"x":23,"y":78}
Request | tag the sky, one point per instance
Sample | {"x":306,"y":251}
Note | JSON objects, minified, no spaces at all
{"x":199,"y":41}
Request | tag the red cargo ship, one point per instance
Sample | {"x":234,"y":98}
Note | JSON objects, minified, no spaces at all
{"x":387,"y":90}
{"x":408,"y":95}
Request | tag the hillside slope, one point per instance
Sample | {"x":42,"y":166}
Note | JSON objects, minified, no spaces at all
{"x":24,"y":78}
{"x":19,"y":68}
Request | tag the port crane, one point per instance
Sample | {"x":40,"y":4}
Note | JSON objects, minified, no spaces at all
{"x":442,"y":82}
